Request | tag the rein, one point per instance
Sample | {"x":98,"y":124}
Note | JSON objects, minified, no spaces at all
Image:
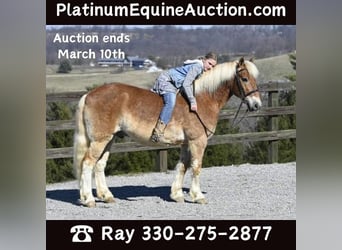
{"x":204,"y":126}
{"x":243,"y":96}
{"x":236,"y":115}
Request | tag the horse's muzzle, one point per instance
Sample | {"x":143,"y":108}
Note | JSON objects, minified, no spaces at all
{"x":253,"y":103}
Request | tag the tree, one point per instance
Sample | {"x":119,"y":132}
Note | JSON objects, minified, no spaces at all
{"x":293,"y":59}
{"x":64,"y":66}
{"x":58,"y":169}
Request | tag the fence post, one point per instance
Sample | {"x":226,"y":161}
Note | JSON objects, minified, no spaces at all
{"x":161,"y":162}
{"x":273,"y":101}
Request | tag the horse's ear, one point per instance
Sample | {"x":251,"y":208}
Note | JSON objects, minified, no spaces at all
{"x":252,"y":59}
{"x":241,"y":61}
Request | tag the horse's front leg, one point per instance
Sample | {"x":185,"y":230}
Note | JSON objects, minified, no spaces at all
{"x":181,"y":167}
{"x":197,"y":152}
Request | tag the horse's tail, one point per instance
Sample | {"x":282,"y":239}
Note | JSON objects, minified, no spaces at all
{"x":81,"y":141}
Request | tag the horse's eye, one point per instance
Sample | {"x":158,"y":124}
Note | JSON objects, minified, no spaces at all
{"x":244,"y":79}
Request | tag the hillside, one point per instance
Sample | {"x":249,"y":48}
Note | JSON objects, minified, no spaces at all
{"x":272,"y":68}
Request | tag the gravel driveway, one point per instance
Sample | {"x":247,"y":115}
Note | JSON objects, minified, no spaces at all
{"x":233,"y":192}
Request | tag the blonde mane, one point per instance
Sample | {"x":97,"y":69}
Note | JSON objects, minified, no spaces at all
{"x":212,"y":79}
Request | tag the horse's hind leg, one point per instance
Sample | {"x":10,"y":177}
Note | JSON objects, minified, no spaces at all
{"x":102,"y":190}
{"x":91,"y":157}
{"x":181,"y":167}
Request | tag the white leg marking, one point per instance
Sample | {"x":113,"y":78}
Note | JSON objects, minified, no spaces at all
{"x":85,"y":184}
{"x":100,"y":179}
{"x":195,"y":190}
{"x":176,"y":188}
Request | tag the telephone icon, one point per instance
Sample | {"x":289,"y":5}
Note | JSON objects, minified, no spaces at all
{"x":81,"y":233}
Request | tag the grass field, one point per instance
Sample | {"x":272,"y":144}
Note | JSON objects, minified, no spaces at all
{"x":273,"y":68}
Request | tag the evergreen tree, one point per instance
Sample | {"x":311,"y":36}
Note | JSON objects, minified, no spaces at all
{"x":223,"y":154}
{"x":64,"y":66}
{"x":58,"y":169}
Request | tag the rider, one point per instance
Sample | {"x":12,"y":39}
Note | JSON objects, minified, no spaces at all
{"x":170,"y":82}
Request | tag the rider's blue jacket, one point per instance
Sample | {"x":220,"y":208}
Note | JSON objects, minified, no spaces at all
{"x":180,"y":77}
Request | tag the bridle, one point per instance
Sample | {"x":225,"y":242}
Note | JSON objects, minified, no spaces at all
{"x":243,"y":94}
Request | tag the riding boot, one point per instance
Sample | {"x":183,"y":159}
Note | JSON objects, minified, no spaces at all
{"x":158,"y":132}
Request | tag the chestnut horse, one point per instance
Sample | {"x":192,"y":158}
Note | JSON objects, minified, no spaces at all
{"x":116,"y":107}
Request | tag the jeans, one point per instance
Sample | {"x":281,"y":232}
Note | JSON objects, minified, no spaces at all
{"x":169,"y":100}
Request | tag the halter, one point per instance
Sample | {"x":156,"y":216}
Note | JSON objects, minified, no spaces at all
{"x":243,"y":94}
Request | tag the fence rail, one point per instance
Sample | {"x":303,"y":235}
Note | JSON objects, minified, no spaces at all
{"x":273,"y":136}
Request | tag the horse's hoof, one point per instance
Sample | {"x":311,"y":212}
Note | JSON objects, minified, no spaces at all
{"x":201,"y":201}
{"x":177,"y":199}
{"x":86,"y":204}
{"x":91,"y":204}
{"x":106,"y":199}
{"x":109,"y":200}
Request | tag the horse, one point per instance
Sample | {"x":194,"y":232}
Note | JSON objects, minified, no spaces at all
{"x":115,"y":108}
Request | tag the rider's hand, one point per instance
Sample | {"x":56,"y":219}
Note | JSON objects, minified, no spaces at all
{"x":193,"y":108}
